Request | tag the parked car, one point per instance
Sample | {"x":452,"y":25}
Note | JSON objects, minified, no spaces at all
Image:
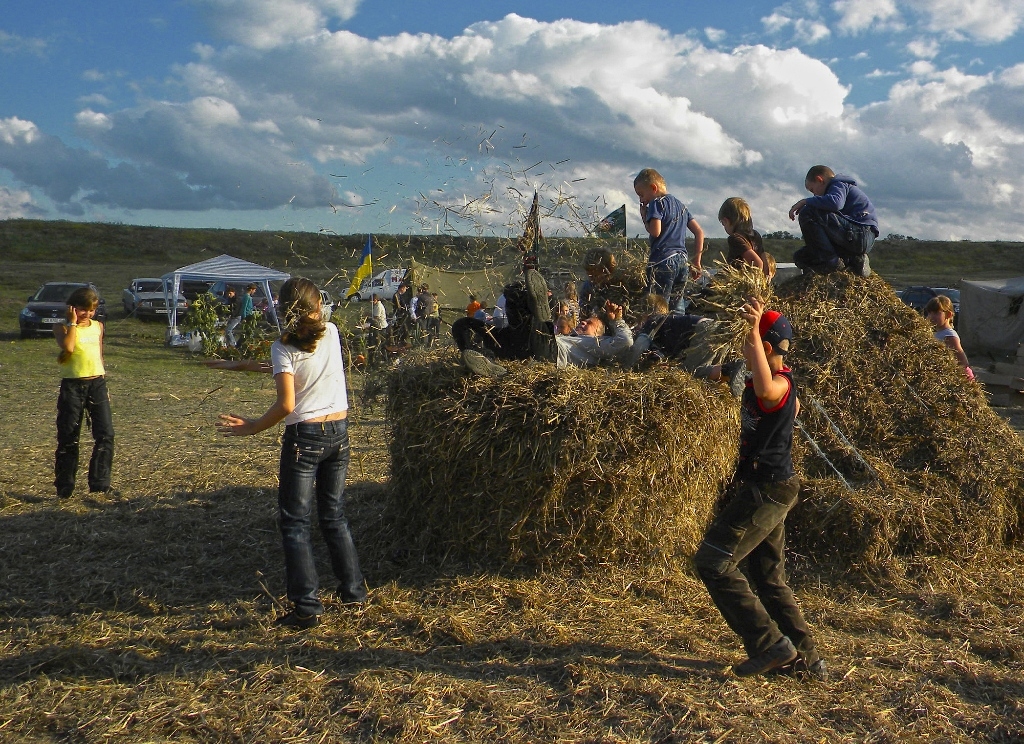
{"x":384,"y":285}
{"x":48,"y":306}
{"x":145,"y":299}
{"x":194,"y":288}
{"x":326,"y":306}
{"x":918,"y":297}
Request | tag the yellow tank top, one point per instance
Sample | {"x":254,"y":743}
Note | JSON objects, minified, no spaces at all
{"x":86,"y":360}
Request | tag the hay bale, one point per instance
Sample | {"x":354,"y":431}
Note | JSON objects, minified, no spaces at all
{"x":610,"y":466}
{"x":546,"y":465}
{"x":934,"y":470}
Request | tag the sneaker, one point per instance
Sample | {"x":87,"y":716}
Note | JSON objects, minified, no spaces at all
{"x":779,"y":654}
{"x":65,"y":493}
{"x":480,"y":365}
{"x":735,"y":374}
{"x":817,"y":670}
{"x":537,"y":297}
{"x":859,"y":266}
{"x":297,"y":620}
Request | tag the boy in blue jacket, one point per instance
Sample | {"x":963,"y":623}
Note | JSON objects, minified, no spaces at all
{"x":838,"y":224}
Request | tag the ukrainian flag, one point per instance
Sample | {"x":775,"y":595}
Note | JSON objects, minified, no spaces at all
{"x":365,"y":268}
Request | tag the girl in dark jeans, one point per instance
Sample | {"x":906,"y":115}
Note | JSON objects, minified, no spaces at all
{"x":312,"y":401}
{"x":83,"y":389}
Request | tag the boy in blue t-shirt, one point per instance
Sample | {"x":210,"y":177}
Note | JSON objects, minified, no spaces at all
{"x":666,"y":221}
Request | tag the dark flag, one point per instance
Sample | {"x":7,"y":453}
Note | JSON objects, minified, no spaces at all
{"x":531,"y":236}
{"x":614,"y":224}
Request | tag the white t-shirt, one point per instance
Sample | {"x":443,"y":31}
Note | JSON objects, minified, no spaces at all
{"x":319,"y":376}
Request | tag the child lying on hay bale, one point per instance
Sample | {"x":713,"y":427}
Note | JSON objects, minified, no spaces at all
{"x":550,"y":466}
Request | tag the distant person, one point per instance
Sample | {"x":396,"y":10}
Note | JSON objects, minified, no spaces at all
{"x":744,"y":244}
{"x":939,"y":312}
{"x":234,"y":303}
{"x":838,"y":223}
{"x":666,"y":221}
{"x":572,"y":300}
{"x":309,"y":374}
{"x":378,"y":323}
{"x":401,"y":301}
{"x":473,"y":307}
{"x":83,"y":391}
{"x":608,"y":281}
{"x":750,"y":527}
{"x":591,"y":343}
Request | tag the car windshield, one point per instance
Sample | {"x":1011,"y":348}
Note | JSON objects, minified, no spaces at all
{"x":153,"y":286}
{"x":55,"y":292}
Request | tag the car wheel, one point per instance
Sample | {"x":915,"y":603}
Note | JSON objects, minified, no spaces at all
{"x":354,"y":298}
{"x":26,"y":334}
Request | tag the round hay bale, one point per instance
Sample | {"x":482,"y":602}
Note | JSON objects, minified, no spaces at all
{"x":546,"y":465}
{"x":933,"y":470}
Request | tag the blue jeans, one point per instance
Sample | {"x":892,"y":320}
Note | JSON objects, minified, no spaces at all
{"x":77,"y":398}
{"x":829,"y":237}
{"x":751,"y":528}
{"x":668,"y":278}
{"x":314,"y":460}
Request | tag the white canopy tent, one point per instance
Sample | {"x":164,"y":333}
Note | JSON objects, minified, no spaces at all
{"x":222,"y":268}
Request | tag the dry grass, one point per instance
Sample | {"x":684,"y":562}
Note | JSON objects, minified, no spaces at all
{"x":146,"y":617}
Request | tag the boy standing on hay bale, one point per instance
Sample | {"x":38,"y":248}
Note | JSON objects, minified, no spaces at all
{"x":751,"y":525}
{"x":837,"y":222}
{"x":666,"y":221}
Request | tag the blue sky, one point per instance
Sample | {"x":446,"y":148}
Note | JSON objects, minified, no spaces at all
{"x":353,"y":116}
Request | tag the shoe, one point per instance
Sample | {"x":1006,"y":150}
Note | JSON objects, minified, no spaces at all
{"x":65,"y":493}
{"x":348,"y":598}
{"x":480,"y":365}
{"x":859,"y":266}
{"x":817,"y":670}
{"x":537,"y":297}
{"x":735,"y":374}
{"x":298,"y":621}
{"x":779,"y":654}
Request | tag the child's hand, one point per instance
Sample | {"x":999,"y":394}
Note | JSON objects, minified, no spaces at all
{"x":71,"y":315}
{"x":795,"y":209}
{"x":752,"y":311}
{"x":613,"y":311}
{"x":233,"y":426}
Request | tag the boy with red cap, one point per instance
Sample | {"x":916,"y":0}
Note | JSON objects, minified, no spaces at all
{"x":751,"y":524}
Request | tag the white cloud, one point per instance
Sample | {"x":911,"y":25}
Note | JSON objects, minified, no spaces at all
{"x":860,"y":15}
{"x":93,"y":76}
{"x":88,"y":119}
{"x":211,"y":111}
{"x":986,"y":21}
{"x":14,"y":44}
{"x":17,"y":204}
{"x":95,"y":99}
{"x":810,"y":32}
{"x":516,"y":104}
{"x":265,"y":24}
{"x":924,"y":48}
{"x":715,"y":35}
{"x":14,"y":131}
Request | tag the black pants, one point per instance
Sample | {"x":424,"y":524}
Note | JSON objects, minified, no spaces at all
{"x":77,"y":398}
{"x":504,"y":343}
{"x":751,"y":526}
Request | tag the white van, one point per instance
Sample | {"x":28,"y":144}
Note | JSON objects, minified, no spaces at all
{"x":384,"y":285}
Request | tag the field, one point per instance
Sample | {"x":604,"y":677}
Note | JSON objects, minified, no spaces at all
{"x":146,"y":615}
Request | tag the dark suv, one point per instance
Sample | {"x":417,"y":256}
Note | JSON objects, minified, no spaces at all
{"x":48,"y":306}
{"x":918,"y":297}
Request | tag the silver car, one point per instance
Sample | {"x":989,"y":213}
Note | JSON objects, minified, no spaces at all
{"x":144,"y":298}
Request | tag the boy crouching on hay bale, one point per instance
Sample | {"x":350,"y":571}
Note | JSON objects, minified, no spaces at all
{"x":751,"y":525}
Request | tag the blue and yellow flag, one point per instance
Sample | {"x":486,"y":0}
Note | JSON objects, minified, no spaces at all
{"x":365,"y":268}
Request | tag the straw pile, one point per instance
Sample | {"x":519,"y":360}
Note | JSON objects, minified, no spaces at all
{"x":912,"y":461}
{"x":546,"y":465}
